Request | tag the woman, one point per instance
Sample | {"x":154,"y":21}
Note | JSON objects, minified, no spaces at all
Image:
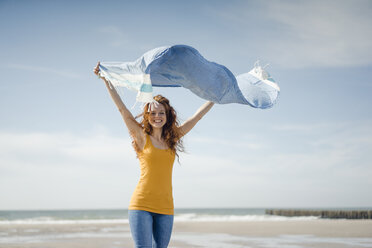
{"x":156,"y":140}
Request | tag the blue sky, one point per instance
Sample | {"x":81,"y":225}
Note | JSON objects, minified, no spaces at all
{"x":64,"y":145}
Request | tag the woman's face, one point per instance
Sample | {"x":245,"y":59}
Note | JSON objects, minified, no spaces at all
{"x":157,"y":116}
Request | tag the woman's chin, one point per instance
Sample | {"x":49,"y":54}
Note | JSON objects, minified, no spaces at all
{"x":157,"y":126}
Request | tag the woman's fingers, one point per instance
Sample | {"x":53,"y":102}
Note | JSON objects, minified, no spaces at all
{"x":96,"y":69}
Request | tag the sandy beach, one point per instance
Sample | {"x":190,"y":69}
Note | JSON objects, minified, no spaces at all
{"x":296,"y":234}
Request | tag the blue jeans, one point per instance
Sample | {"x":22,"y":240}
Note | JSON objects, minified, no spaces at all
{"x":147,"y":227}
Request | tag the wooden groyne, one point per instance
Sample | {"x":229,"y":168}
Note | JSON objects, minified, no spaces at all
{"x":329,"y":214}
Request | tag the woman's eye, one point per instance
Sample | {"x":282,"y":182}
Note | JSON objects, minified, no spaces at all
{"x":154,"y":113}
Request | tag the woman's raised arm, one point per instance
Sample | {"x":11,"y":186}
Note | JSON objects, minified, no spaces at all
{"x":191,"y":122}
{"x":134,"y":128}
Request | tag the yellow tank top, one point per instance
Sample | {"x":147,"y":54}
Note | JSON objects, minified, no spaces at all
{"x":154,"y":189}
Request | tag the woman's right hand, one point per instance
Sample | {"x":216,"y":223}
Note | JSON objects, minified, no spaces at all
{"x":96,"y":70}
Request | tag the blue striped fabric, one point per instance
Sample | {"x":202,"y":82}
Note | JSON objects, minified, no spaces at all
{"x":184,"y":66}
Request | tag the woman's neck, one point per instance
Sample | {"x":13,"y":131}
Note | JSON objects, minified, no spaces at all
{"x":156,"y":133}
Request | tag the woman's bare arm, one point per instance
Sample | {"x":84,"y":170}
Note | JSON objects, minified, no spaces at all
{"x":133,"y":126}
{"x":191,"y":122}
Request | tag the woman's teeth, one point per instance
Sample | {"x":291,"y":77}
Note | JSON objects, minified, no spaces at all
{"x":158,"y":121}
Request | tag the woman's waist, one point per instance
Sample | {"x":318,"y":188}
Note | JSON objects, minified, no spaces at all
{"x":153,"y":188}
{"x":155,"y":181}
{"x":152,"y":195}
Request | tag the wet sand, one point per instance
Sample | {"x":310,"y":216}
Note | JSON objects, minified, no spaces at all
{"x":309,"y":233}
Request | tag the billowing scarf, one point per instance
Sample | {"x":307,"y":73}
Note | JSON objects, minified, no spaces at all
{"x":184,"y":66}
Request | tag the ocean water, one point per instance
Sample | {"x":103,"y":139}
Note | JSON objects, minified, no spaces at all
{"x":61,"y":228}
{"x":121,"y":216}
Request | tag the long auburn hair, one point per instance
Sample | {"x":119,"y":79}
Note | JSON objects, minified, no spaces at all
{"x":171,"y":133}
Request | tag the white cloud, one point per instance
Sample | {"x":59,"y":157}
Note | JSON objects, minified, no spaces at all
{"x":223,"y":142}
{"x":116,"y":36}
{"x":322,"y":33}
{"x":307,"y":33}
{"x":96,"y":169}
{"x":93,"y":148}
{"x":65,"y":170}
{"x":42,"y":69}
{"x":302,"y":170}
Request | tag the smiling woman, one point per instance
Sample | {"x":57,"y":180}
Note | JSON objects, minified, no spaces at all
{"x":156,"y":140}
